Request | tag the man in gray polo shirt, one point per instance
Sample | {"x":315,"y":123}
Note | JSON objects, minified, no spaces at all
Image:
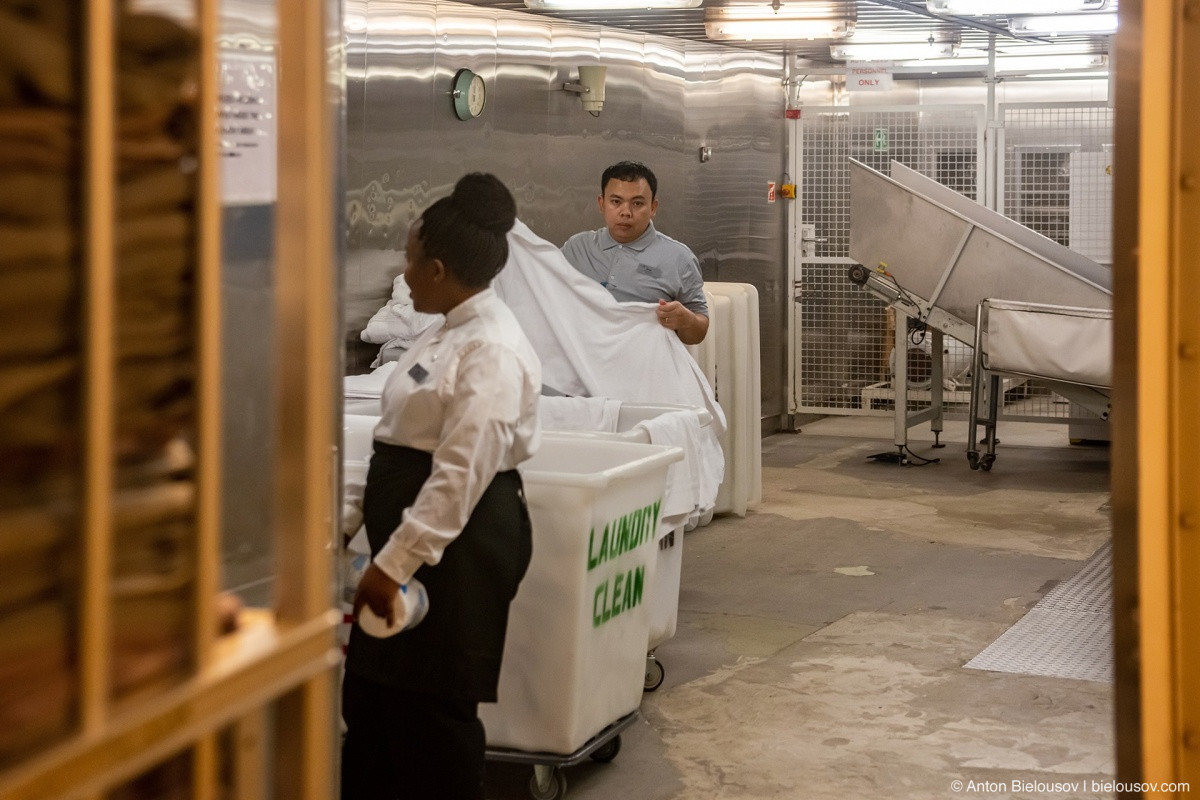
{"x":631,"y":259}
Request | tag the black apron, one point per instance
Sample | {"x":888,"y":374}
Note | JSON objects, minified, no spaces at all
{"x":456,"y":649}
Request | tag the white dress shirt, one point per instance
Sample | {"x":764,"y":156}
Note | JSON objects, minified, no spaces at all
{"x":467,"y":392}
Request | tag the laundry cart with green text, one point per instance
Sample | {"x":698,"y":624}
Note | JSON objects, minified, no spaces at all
{"x":664,"y":599}
{"x":575,"y":651}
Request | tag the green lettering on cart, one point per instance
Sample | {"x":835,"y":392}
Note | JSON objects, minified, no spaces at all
{"x":622,"y":535}
{"x":623,"y":592}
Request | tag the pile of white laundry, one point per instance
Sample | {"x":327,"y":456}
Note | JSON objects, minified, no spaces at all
{"x":596,"y":353}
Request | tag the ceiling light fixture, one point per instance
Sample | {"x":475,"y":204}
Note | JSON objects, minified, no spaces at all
{"x":979,"y":8}
{"x":1056,"y":24}
{"x":607,"y":5}
{"x":1067,"y":61}
{"x":810,"y":21}
{"x":1009,"y":64}
{"x":831,"y":9}
{"x":890,"y":51}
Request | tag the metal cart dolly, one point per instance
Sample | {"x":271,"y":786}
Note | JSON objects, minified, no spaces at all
{"x":548,"y":781}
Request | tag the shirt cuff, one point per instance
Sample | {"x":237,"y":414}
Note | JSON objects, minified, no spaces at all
{"x":396,"y":562}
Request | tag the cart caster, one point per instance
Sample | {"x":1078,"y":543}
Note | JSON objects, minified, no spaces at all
{"x":655,"y":673}
{"x":973,"y":459}
{"x":547,"y":783}
{"x":607,"y":751}
{"x":986,"y":461}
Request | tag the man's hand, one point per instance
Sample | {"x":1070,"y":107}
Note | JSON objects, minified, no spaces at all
{"x":689,"y":326}
{"x":378,"y":591}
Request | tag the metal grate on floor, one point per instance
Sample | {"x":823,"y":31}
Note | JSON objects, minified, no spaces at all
{"x":1066,"y":635}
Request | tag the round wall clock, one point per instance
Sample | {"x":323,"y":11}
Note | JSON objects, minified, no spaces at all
{"x":469,"y":93}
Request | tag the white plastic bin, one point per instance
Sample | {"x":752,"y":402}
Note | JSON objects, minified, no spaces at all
{"x":664,"y":592}
{"x":363,"y":406}
{"x":574,"y":657}
{"x":358,"y":435}
{"x":729,"y":357}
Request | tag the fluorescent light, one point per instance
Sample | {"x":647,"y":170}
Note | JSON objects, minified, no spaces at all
{"x":978,"y":8}
{"x":1053,"y":24}
{"x":890,"y":51}
{"x":1065,"y":61}
{"x":607,"y":5}
{"x":807,"y":10}
{"x":808,"y":21}
{"x":751,"y":29}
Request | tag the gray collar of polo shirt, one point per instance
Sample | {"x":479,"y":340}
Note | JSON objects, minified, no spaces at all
{"x":607,"y":242}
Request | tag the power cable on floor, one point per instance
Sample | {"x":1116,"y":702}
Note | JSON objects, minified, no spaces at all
{"x":920,"y":461}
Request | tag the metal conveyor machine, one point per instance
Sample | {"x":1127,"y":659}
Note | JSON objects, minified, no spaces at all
{"x":1028,"y":305}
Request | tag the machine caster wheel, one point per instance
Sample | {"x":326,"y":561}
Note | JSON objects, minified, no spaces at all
{"x":986,"y":462}
{"x":973,"y":459}
{"x":655,"y":673}
{"x":607,"y":751}
{"x":553,"y":785}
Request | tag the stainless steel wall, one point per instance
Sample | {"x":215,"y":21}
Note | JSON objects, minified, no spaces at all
{"x":665,"y":98}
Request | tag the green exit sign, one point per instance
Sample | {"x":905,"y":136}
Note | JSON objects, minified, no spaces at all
{"x":881,"y":140}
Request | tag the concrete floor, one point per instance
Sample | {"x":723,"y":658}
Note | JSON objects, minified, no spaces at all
{"x":821,"y":638}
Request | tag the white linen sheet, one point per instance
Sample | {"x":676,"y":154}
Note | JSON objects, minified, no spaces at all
{"x":396,"y":325}
{"x":591,"y":345}
{"x":579,"y":413}
{"x":693,"y":482}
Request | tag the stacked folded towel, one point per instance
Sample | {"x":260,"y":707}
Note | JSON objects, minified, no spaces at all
{"x":43,"y":294}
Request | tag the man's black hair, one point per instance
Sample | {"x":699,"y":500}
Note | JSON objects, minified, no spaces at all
{"x":629,"y":171}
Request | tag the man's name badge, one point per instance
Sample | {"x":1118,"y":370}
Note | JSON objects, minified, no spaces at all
{"x":418,"y":373}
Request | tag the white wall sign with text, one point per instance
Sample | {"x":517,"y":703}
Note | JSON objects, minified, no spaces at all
{"x":247,"y":119}
{"x":869,"y":76}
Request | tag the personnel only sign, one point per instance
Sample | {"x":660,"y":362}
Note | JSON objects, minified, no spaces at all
{"x":869,"y":76}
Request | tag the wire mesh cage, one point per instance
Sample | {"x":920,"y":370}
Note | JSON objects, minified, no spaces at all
{"x":846,"y":337}
{"x":1055,"y":177}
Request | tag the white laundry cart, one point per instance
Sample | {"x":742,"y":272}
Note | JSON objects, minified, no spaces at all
{"x":572,"y":672}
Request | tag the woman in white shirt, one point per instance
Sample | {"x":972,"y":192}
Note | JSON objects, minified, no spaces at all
{"x":443,"y":503}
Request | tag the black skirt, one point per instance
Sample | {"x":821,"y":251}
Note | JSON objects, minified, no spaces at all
{"x":456,"y":649}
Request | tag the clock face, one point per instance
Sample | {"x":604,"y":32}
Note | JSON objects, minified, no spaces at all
{"x":476,"y":95}
{"x":469,"y":93}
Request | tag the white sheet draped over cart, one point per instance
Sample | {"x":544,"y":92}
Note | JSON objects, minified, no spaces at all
{"x":590,"y":344}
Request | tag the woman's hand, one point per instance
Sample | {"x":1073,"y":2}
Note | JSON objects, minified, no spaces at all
{"x":378,"y":591}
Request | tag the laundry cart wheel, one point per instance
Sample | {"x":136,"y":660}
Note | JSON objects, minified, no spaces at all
{"x":986,"y":460}
{"x":655,"y":673}
{"x":607,"y":751}
{"x":547,"y":783}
